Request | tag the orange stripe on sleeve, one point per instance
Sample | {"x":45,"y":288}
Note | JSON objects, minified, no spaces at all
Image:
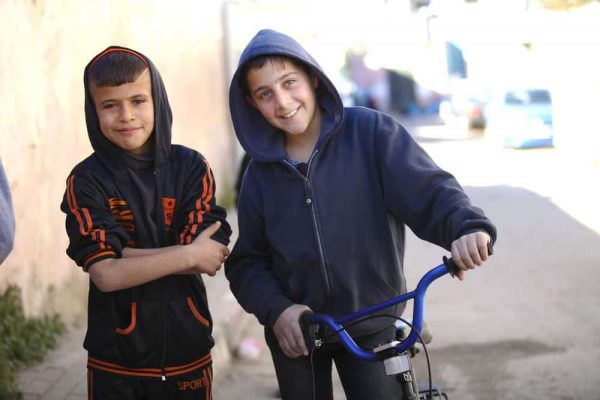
{"x":88,"y":217}
{"x":211,"y":184}
{"x":96,"y":256}
{"x":202,"y":204}
{"x":84,"y":217}
{"x":71,"y":200}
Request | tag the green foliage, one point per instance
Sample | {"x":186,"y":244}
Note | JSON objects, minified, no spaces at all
{"x":23,"y":341}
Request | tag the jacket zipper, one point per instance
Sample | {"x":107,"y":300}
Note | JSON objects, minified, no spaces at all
{"x":309,"y":202}
{"x":163,"y":375}
{"x":159,"y":218}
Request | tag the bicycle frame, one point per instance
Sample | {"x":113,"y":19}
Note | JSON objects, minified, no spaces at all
{"x":418,"y":295}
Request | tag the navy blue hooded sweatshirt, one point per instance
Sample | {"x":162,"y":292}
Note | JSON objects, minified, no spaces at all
{"x":162,"y":328}
{"x":333,"y":239}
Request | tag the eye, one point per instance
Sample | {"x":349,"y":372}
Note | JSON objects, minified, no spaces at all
{"x":108,"y":106}
{"x":264,"y":94}
{"x":139,"y":101}
{"x":290,"y":82}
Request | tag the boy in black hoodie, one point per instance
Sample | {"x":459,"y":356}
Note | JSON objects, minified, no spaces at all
{"x":322,"y":213}
{"x":143,"y":222}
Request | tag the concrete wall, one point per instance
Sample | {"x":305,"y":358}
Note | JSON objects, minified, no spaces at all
{"x":44,"y":46}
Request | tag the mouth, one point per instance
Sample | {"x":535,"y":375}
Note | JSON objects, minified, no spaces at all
{"x":127,"y":130}
{"x":290,"y":114}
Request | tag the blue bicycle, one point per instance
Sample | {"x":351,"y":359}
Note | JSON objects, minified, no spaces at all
{"x":397,"y":354}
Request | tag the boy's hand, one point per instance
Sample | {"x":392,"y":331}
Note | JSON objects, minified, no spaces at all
{"x":289,"y":333}
{"x":208,"y":254}
{"x":470,"y":251}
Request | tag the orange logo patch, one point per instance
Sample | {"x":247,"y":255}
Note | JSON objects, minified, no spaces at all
{"x":169,"y":209}
{"x":122,"y":213}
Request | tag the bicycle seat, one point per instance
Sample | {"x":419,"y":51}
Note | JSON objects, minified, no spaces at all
{"x":403,"y":330}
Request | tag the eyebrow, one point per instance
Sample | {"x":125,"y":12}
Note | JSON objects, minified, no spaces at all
{"x":281,"y":78}
{"x":135,"y":96}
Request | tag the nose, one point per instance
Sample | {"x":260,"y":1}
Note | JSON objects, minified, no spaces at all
{"x":281,"y":98}
{"x":126,"y":112}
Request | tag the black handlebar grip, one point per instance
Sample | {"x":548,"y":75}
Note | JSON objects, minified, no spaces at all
{"x":451,"y":265}
{"x":309,"y":330}
{"x":306,"y":318}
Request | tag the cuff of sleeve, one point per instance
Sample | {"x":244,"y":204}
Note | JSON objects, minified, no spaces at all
{"x":94,"y":258}
{"x":277,"y":307}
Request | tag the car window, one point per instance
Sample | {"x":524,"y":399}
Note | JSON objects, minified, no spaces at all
{"x":539,"y":97}
{"x":527,"y":97}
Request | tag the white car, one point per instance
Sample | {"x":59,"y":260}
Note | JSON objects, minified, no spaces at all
{"x":521,"y":118}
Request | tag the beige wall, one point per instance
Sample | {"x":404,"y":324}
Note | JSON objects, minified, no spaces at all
{"x":44,"y":46}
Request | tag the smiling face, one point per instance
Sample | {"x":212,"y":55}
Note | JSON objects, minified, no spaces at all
{"x":126,"y":113}
{"x":285,"y":95}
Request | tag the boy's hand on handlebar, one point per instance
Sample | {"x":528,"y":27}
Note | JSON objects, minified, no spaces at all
{"x":289,"y":333}
{"x":470,"y":251}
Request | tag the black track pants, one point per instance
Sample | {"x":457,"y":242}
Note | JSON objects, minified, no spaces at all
{"x":194,"y":385}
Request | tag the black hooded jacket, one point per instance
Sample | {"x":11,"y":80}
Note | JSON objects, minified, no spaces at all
{"x":162,"y":328}
{"x":333,"y":238}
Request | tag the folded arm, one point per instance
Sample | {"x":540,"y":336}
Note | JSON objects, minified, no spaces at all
{"x":138,"y":266}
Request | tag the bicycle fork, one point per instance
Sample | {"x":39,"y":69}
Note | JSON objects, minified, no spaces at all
{"x":408,"y":382}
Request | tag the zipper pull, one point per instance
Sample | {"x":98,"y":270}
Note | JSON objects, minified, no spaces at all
{"x":307,"y":193}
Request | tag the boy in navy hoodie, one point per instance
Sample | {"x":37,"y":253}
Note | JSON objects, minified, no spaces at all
{"x":143,"y":222}
{"x":322,"y":214}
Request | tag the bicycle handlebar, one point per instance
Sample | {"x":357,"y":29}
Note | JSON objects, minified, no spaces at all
{"x":311,"y":318}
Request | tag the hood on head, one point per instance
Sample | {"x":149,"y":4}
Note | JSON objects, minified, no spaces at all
{"x":259,"y":139}
{"x":111,"y":156}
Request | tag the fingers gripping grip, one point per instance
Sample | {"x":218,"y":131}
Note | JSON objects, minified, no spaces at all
{"x":453,"y":268}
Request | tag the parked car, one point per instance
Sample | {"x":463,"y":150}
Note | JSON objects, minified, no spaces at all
{"x":467,"y":100}
{"x":521,"y":118}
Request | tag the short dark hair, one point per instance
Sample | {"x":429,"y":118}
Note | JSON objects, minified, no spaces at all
{"x":259,"y":61}
{"x":115,"y":68}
